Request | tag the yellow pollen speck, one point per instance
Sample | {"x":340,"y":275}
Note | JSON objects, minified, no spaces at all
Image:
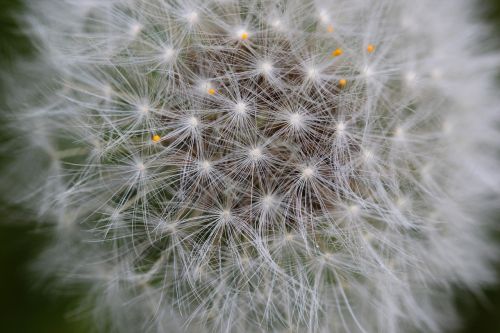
{"x":370,"y":48}
{"x":342,"y":83}
{"x":329,"y":28}
{"x":156,"y":138}
{"x":337,"y":52}
{"x":244,"y":36}
{"x":211,"y":91}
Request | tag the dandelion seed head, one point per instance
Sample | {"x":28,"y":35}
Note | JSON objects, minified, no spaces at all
{"x":205,"y":166}
{"x":410,"y":77}
{"x":341,"y":127}
{"x":296,"y":120}
{"x":367,"y":71}
{"x":240,"y":107}
{"x":225,"y":214}
{"x":266,"y":67}
{"x":135,"y":29}
{"x":268,"y":201}
{"x":192,"y":17}
{"x":261,"y":166}
{"x":323,"y":16}
{"x":399,"y":133}
{"x":312,"y":73}
{"x":307,"y":172}
{"x":278,"y":24}
{"x":143,"y":109}
{"x":193,"y":122}
{"x":168,"y":53}
{"x":368,"y":155}
{"x":256,"y":153}
{"x":354,"y":210}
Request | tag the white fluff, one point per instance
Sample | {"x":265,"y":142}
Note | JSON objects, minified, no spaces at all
{"x":216,"y":165}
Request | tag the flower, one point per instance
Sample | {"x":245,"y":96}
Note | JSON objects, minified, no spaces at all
{"x":305,"y":166}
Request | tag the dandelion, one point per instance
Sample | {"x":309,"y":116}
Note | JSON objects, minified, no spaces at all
{"x":229,"y":166}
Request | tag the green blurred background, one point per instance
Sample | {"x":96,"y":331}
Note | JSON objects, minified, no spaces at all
{"x":27,"y":306}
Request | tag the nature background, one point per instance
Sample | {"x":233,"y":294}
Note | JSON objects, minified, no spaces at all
{"x":28,"y":306}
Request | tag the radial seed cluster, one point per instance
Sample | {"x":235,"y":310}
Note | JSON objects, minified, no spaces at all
{"x":264,"y":166}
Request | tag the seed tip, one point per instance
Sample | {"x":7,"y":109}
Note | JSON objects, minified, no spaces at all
{"x":337,"y":52}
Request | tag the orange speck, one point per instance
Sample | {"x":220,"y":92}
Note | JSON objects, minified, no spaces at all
{"x":370,"y":48}
{"x":244,"y":36}
{"x":329,"y":28}
{"x":156,"y":138}
{"x":211,"y":91}
{"x":337,"y":52}
{"x":342,"y":83}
